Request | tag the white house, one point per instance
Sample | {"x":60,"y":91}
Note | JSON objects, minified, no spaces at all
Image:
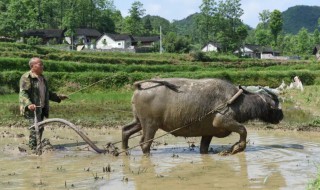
{"x":211,"y":46}
{"x":111,"y":41}
{"x":256,"y":51}
{"x":85,"y":36}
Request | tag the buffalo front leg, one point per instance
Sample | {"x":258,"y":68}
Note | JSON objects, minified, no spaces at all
{"x":204,"y":145}
{"x":232,"y":126}
{"x":129,"y":130}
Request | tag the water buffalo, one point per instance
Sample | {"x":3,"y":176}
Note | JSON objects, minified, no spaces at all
{"x":172,"y":103}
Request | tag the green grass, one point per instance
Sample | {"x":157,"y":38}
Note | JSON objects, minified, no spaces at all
{"x":113,"y":108}
{"x":110,"y":108}
{"x":314,"y":184}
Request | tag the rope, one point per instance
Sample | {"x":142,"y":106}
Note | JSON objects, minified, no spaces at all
{"x":116,"y":142}
{"x":88,"y":86}
{"x":152,"y":139}
{"x":125,"y":111}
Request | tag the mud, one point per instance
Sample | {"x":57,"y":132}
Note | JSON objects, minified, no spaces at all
{"x":272,"y":160}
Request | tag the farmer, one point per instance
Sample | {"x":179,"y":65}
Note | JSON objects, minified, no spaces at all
{"x":34,"y":96}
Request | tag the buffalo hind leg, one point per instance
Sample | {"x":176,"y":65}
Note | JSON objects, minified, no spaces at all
{"x":204,"y":145}
{"x":232,"y":126}
{"x":149,"y":132}
{"x":129,"y":130}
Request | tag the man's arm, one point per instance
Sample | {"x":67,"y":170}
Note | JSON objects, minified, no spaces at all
{"x":54,"y":97}
{"x":24,"y":99}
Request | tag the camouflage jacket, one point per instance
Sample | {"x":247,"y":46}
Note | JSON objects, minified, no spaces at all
{"x":30,"y":94}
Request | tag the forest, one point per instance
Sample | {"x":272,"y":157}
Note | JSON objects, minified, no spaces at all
{"x":217,"y":21}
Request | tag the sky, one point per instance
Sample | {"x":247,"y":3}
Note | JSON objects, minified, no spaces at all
{"x":180,"y":9}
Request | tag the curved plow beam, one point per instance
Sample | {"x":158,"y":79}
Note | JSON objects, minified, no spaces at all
{"x":76,"y":129}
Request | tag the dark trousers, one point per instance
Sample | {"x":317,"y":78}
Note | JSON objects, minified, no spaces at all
{"x":33,"y":135}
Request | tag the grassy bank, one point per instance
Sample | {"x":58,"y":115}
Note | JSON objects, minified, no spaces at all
{"x":70,"y":70}
{"x":9,"y":80}
{"x":110,"y":108}
{"x":315,"y":184}
{"x":113,"y":108}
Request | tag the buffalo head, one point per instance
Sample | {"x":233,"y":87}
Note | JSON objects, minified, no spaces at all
{"x":273,"y":112}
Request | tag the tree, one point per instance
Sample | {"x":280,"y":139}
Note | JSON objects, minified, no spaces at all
{"x":133,"y":24}
{"x":20,"y":15}
{"x":208,"y":11}
{"x":70,"y":20}
{"x":107,"y":16}
{"x":147,"y":26}
{"x":263,"y":37}
{"x":316,"y":37}
{"x":228,"y":24}
{"x":276,"y":24}
{"x":176,"y":44}
{"x":304,"y":44}
{"x":264,"y":17}
{"x":118,"y":21}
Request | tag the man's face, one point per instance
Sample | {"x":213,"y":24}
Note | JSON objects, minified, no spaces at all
{"x":37,"y":67}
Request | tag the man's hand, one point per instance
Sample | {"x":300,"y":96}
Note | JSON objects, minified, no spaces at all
{"x":63,"y":97}
{"x":32,"y":107}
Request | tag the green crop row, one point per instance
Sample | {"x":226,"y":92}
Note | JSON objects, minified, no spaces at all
{"x":21,"y":64}
{"x":27,"y":51}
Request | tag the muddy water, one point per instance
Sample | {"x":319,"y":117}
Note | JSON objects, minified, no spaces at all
{"x":272,"y":160}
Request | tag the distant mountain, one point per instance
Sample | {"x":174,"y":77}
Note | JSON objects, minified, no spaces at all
{"x":156,"y":22}
{"x":294,"y":18}
{"x":300,"y":16}
{"x":186,"y":26}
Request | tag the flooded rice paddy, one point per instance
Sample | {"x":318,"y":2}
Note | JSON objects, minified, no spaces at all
{"x":272,"y":160}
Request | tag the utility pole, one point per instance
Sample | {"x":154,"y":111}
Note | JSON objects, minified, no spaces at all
{"x":160,"y":40}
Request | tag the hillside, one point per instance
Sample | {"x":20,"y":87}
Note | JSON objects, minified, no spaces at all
{"x":300,"y":16}
{"x":186,"y":26}
{"x":293,"y":20}
{"x":156,"y":22}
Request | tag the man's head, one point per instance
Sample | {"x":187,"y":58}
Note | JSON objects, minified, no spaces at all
{"x":36,"y":65}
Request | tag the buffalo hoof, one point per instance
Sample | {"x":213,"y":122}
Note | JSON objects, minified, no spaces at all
{"x":238,"y":147}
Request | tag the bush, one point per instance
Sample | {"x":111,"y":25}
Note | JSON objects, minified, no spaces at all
{"x":6,"y":90}
{"x":199,"y":56}
{"x":34,"y":41}
{"x":52,"y":42}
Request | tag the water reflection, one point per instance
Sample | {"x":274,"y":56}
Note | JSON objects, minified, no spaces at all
{"x":272,"y":160}
{"x":191,"y":171}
